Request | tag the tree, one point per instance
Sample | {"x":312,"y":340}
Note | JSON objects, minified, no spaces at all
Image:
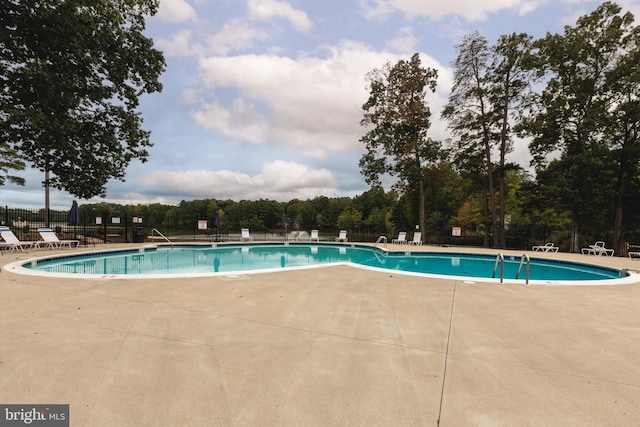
{"x":10,"y":160}
{"x":375,"y":205}
{"x":491,"y":88}
{"x":349,"y":219}
{"x":470,"y":115}
{"x":510,"y":94}
{"x":398,"y":117}
{"x":587,"y":107}
{"x":623,"y":126}
{"x":72,"y":74}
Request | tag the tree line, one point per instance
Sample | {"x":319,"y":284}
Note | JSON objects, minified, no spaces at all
{"x":574,"y":96}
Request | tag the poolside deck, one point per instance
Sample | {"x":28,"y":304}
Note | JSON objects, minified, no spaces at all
{"x":328,"y":346}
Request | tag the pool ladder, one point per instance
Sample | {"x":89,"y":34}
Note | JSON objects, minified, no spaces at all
{"x":500,"y":261}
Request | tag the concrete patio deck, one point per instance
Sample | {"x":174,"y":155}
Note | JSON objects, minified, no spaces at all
{"x":333,"y":346}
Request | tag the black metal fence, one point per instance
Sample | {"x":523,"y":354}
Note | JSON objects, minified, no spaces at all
{"x":95,"y":228}
{"x":25,"y":223}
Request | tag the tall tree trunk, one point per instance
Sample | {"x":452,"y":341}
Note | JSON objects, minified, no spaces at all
{"x":625,"y":168}
{"x":574,"y":240}
{"x":502,"y":238}
{"x":46,"y":198}
{"x":503,"y":154}
{"x":619,"y":244}
{"x":492,"y":194}
{"x":421,"y":218}
{"x":487,"y":224}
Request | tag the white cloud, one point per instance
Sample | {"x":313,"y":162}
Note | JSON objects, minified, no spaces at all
{"x":405,"y":41}
{"x":268,"y":9}
{"x":241,"y":121}
{"x":135,"y":199}
{"x":312,"y":104}
{"x":236,"y":35}
{"x":470,"y":10}
{"x":278,"y":180}
{"x":178,"y":46}
{"x":175,"y":11}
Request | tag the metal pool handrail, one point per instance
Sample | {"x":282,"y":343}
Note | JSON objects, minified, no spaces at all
{"x":500,"y":260}
{"x":155,"y":230}
{"x":524,"y":256}
{"x":381,"y":239}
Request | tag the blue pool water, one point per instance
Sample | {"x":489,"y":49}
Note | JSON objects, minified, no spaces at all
{"x":242,"y":258}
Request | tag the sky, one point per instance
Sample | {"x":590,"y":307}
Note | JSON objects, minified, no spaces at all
{"x":262,"y":98}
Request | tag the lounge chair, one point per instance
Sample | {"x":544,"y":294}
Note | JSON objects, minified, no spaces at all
{"x":401,"y":239}
{"x":314,"y":236}
{"x":342,"y":237}
{"x":417,"y":238}
{"x":598,"y":248}
{"x":547,"y":247}
{"x":52,"y":241}
{"x":245,"y":236}
{"x":12,"y":242}
{"x":293,"y":236}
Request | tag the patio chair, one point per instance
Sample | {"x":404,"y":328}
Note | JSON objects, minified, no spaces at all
{"x":547,"y":247}
{"x":401,"y":239}
{"x":314,"y":236}
{"x":52,"y":241}
{"x":245,"y":236}
{"x":342,"y":236}
{"x":12,"y":242}
{"x":598,"y":248}
{"x":417,"y":238}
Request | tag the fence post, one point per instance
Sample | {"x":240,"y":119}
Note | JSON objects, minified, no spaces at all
{"x":104,"y":224}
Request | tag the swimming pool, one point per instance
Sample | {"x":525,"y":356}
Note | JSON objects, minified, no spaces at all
{"x":229,"y":259}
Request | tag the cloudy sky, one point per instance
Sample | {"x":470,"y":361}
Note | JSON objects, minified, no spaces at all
{"x":262,"y":98}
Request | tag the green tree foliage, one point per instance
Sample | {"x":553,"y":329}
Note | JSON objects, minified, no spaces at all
{"x":510,"y":82}
{"x":398,"y":118}
{"x":470,"y":116}
{"x":10,"y":161}
{"x":587,"y":109}
{"x":376,"y":206}
{"x":349,"y":219}
{"x":72,"y":73}
{"x":490,"y":92}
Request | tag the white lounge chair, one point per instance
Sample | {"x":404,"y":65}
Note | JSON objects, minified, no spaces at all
{"x":12,"y":242}
{"x":52,"y":241}
{"x":547,"y":247}
{"x":598,"y":248}
{"x":417,"y":238}
{"x":342,"y":236}
{"x":245,"y":236}
{"x":401,"y":239}
{"x":294,"y":236}
{"x":314,"y":236}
